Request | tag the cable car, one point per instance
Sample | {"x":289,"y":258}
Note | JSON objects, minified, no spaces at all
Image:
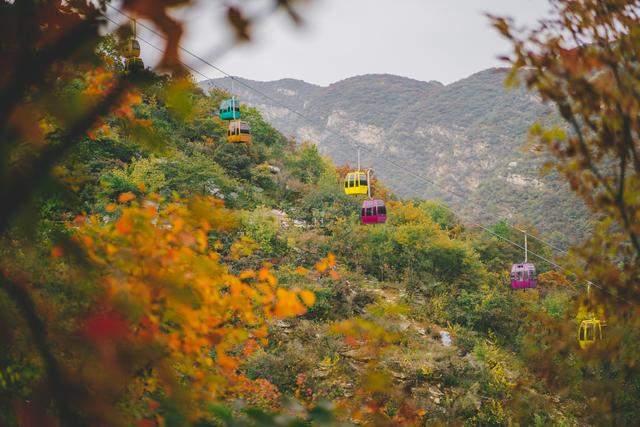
{"x":373,"y":211}
{"x":131,"y":52}
{"x":239,"y":131}
{"x":132,"y":49}
{"x":523,"y":276}
{"x":356,"y":183}
{"x":229,"y":109}
{"x":590,"y":332}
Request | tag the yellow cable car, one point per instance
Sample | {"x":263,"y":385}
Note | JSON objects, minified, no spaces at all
{"x":590,"y":332}
{"x":131,"y":52}
{"x":239,"y":131}
{"x":131,"y":49}
{"x":356,"y":183}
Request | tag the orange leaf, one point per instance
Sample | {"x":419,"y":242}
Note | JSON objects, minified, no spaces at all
{"x":57,"y":252}
{"x":124,"y":225}
{"x":302,"y":271}
{"x":126,"y":197}
{"x":331,"y":260}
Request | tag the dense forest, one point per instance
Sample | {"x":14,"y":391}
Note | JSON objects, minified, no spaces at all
{"x":152,"y":273}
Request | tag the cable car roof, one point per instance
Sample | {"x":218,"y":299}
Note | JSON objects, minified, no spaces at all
{"x":238,"y":123}
{"x":229,"y":102}
{"x":522,"y":267}
{"x":372,"y":203}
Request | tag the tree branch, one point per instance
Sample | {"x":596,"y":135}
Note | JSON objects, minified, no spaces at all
{"x":585,"y":151}
{"x":26,"y":180}
{"x":35,"y":67}
{"x":626,"y":122}
{"x":622,"y":206}
{"x":20,"y":296}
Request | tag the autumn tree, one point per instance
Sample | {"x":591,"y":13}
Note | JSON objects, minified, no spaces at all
{"x":84,"y":323}
{"x":583,"y":59}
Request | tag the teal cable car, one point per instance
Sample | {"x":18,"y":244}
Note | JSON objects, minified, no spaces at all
{"x":230,"y":109}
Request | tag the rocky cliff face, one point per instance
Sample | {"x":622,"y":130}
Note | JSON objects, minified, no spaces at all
{"x":468,"y":137}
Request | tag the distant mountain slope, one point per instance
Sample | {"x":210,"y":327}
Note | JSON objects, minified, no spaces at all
{"x":468,"y":137}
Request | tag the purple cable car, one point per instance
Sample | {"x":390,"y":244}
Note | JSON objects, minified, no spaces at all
{"x":373,"y":212}
{"x":523,"y":276}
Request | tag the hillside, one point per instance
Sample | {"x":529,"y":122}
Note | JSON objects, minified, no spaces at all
{"x":164,"y":265}
{"x":468,"y":137}
{"x":177,"y":278}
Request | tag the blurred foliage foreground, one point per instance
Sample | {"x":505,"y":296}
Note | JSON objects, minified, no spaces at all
{"x":162,"y":276}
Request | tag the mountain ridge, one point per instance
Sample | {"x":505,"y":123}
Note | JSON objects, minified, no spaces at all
{"x":467,"y":136}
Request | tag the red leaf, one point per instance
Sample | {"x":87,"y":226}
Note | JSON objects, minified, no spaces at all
{"x":105,"y":327}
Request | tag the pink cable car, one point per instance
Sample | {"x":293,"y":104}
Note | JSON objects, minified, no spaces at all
{"x":373,"y":211}
{"x":523,"y":276}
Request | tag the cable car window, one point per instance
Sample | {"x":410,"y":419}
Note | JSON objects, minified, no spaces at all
{"x":369,"y":212}
{"x":382,"y":210}
{"x":363,"y":179}
{"x":346,"y":183}
{"x":519,"y":275}
{"x":582,"y":333}
{"x":374,"y":211}
{"x":352,"y":181}
{"x":590,"y":332}
{"x":362,"y":213}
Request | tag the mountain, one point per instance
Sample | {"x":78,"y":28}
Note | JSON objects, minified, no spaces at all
{"x":467,"y":138}
{"x":182,"y":278}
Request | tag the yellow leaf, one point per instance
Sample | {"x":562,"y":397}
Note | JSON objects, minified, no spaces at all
{"x":322,"y":266}
{"x":288,"y":304}
{"x":308,"y":297}
{"x":247,"y":274}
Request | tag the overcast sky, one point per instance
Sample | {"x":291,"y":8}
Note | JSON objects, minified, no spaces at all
{"x":443,"y":40}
